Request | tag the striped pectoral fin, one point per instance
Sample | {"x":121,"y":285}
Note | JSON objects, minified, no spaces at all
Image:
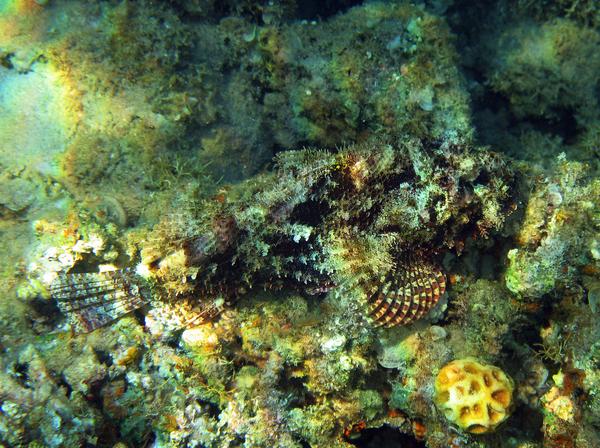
{"x":92,"y":300}
{"x":424,"y":293}
{"x":405,"y":295}
{"x":400,"y":308}
{"x":385,"y":311}
{"x":441,"y":283}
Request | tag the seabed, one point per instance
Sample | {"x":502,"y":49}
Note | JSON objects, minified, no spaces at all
{"x":300,"y":224}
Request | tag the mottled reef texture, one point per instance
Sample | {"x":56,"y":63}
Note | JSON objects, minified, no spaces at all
{"x":171,"y":136}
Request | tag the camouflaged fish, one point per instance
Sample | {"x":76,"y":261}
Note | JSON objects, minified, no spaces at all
{"x":373,"y":218}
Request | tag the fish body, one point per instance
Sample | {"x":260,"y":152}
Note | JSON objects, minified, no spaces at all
{"x":321,"y":220}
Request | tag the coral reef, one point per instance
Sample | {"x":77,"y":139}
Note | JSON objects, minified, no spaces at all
{"x":556,"y":239}
{"x":159,"y":149}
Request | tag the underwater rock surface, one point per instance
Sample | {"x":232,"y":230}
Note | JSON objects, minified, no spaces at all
{"x":314,"y":210}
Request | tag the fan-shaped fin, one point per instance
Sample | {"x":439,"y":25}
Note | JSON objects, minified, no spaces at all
{"x":92,"y":300}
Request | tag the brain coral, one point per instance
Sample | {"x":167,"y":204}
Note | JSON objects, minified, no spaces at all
{"x":476,"y":397}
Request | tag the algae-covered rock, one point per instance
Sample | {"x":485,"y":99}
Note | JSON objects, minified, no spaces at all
{"x":543,"y":68}
{"x":557,"y":236}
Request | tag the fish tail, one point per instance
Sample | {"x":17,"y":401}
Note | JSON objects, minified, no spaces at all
{"x":92,"y":300}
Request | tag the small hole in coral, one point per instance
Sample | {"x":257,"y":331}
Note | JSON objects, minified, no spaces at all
{"x":477,"y":429}
{"x":21,"y":374}
{"x":487,"y":379}
{"x":474,"y":388}
{"x":62,"y":382}
{"x":502,"y":397}
{"x":104,"y":357}
{"x":493,"y":415}
{"x":470,"y":368}
{"x":464,"y":411}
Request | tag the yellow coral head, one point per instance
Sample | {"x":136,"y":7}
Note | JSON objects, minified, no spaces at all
{"x":476,"y":397}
